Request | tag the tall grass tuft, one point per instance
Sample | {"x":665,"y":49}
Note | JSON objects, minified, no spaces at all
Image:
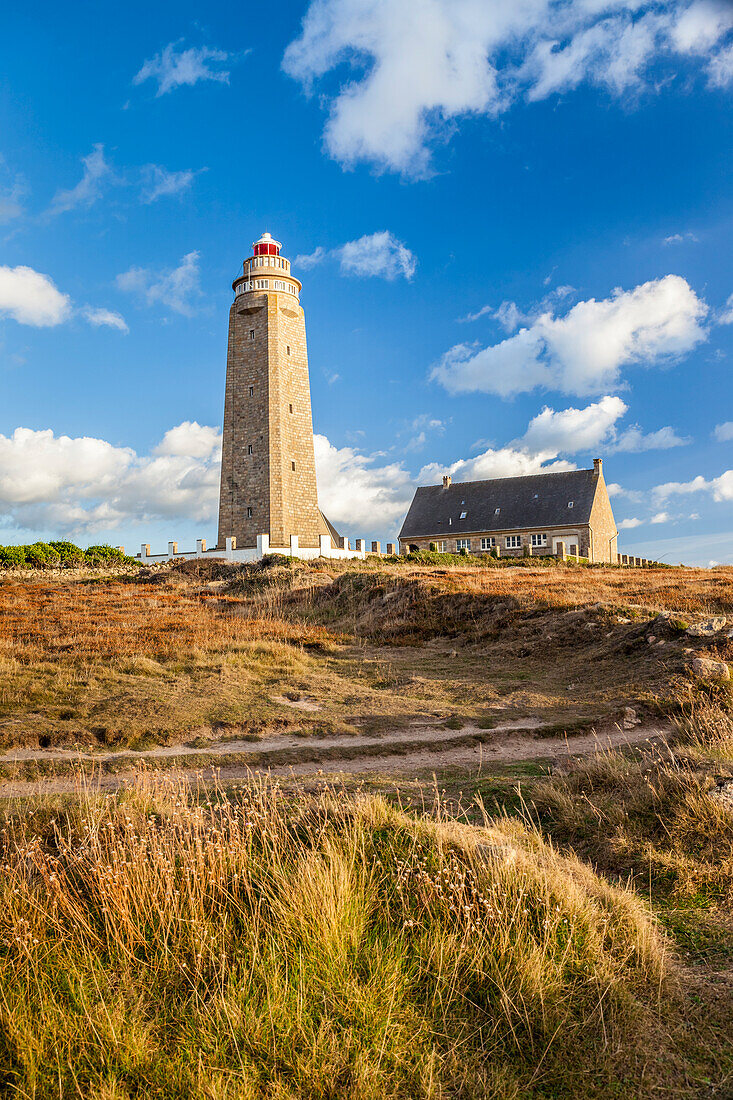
{"x":167,"y":941}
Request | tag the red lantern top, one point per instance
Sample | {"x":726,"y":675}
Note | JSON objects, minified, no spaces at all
{"x":266,"y":246}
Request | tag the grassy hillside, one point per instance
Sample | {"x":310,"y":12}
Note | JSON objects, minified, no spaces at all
{"x":170,"y":655}
{"x":558,"y":925}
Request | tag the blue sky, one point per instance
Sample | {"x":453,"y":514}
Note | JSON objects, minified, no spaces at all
{"x":513,"y":223}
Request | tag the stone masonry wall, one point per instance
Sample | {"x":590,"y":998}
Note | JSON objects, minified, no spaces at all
{"x":245,"y":478}
{"x":293,"y":492}
{"x":603,"y":525}
{"x":274,"y":419}
{"x":571,"y":536}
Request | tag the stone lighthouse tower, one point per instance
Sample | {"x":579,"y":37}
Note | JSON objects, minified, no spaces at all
{"x":268,"y":474}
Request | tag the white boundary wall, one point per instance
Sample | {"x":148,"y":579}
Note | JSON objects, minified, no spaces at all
{"x":255,"y":553}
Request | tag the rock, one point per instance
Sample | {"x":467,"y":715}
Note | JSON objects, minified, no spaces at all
{"x":630,"y":719}
{"x":707,"y":627}
{"x":709,"y":669}
{"x":651,"y":639}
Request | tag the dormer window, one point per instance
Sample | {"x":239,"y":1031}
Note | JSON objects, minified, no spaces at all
{"x":570,"y":503}
{"x":497,"y":511}
{"x":463,"y":515}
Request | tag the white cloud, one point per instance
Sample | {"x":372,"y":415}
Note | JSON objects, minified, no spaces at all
{"x":723,"y":433}
{"x":105,"y":317}
{"x":189,"y":438}
{"x":661,"y":517}
{"x":413,"y":68}
{"x":720,"y":68}
{"x":422,"y":425}
{"x":583,"y":352}
{"x":177,"y":289}
{"x":90,"y":186}
{"x":725,"y":317}
{"x":311,"y":259}
{"x":376,"y":254}
{"x":634,"y":439}
{"x":720,"y":488}
{"x":594,"y":427}
{"x":355,"y":492}
{"x":66,"y":485}
{"x":160,"y":183}
{"x":574,"y":429}
{"x":628,"y":524}
{"x":680,"y":238}
{"x":174,"y":67}
{"x":31,"y":298}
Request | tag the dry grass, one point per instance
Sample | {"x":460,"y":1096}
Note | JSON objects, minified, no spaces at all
{"x":160,"y":943}
{"x":135,"y":662}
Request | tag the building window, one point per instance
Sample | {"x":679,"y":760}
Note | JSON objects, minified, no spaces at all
{"x":439,"y":547}
{"x":251,"y":334}
{"x":539,"y":540}
{"x":513,"y":542}
{"x":291,"y":408}
{"x":496,"y":511}
{"x":463,"y":515}
{"x":488,"y":543}
{"x":249,"y":448}
{"x":292,"y":465}
{"x":463,"y":544}
{"x":249,"y":513}
{"x":251,"y":391}
{"x":570,"y":503}
{"x":288,"y":349}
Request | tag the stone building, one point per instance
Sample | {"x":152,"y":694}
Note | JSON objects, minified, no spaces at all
{"x":515,"y":516}
{"x":268,"y":473}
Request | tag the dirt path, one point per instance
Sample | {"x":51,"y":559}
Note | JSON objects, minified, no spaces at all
{"x":400,"y":752}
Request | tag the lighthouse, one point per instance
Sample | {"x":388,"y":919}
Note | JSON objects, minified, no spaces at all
{"x":268,"y":473}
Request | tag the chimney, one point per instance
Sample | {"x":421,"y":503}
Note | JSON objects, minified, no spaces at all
{"x":597,"y":466}
{"x":446,"y":480}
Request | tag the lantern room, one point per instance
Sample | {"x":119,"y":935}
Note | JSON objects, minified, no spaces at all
{"x":266,"y":246}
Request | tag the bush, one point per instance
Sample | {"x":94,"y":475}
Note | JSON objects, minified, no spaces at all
{"x":12,"y":557}
{"x":104,"y":555}
{"x":40,"y":554}
{"x":69,"y":554}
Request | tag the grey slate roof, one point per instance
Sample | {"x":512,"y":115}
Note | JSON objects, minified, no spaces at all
{"x":538,"y":500}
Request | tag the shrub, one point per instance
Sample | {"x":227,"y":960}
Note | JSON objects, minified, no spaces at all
{"x":69,"y":554}
{"x":12,"y":557}
{"x":40,"y":554}
{"x":103,"y":555}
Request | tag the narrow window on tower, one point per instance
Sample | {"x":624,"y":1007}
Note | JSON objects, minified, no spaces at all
{"x":249,"y":448}
{"x":249,"y":513}
{"x":251,"y":391}
{"x":291,"y":408}
{"x":292,"y":465}
{"x":251,"y":334}
{"x":288,"y":349}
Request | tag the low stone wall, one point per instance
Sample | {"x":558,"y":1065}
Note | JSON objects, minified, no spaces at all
{"x":255,"y":553}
